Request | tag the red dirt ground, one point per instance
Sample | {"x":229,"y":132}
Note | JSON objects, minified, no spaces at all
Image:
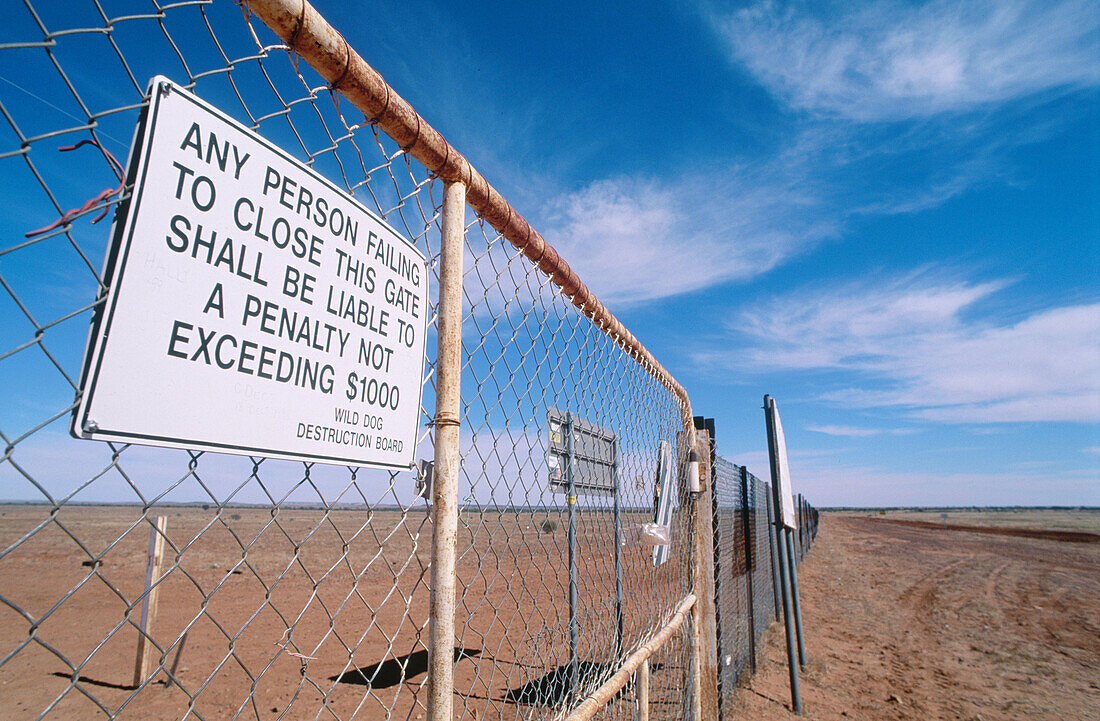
{"x":904,"y":621}
{"x":242,"y":579}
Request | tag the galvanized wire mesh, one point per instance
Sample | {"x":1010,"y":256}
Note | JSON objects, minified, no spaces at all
{"x":765,"y":598}
{"x":731,"y":583}
{"x":294,"y":590}
{"x":281,"y":579}
{"x":747,"y":596}
{"x":530,"y":358}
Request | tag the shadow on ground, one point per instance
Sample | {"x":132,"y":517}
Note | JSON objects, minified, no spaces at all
{"x":555,"y":686}
{"x":393,"y":671}
{"x":93,"y":682}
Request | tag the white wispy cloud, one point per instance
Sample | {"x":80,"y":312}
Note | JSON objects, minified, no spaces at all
{"x":634,"y":239}
{"x":889,"y":60}
{"x":913,"y":340}
{"x":847,"y":431}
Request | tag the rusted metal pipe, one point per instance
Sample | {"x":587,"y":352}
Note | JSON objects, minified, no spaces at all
{"x":448,"y":397}
{"x":307,"y":33}
{"x":601,"y":696}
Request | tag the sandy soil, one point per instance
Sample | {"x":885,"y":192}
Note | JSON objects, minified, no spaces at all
{"x":902,"y":621}
{"x":911,"y":622}
{"x":354,"y":587}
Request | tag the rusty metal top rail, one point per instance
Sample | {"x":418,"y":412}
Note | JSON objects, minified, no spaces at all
{"x":306,"y":32}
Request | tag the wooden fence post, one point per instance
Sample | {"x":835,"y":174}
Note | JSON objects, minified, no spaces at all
{"x":704,"y":625}
{"x":152,"y":595}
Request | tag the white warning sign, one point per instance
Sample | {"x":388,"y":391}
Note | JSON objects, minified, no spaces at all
{"x":781,"y":469}
{"x":252,"y":307}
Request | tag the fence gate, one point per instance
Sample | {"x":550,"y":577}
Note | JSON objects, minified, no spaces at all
{"x":185,"y":582}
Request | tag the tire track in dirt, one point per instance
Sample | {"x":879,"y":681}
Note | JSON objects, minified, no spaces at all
{"x":907,"y":622}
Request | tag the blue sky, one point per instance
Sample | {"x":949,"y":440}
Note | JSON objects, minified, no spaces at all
{"x":887,"y":215}
{"x":884,"y":214}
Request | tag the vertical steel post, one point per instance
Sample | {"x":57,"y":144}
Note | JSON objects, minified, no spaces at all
{"x":618,"y":555}
{"x":785,"y":566}
{"x":786,"y":558}
{"x":801,"y":528}
{"x":448,"y":399}
{"x":772,"y":549}
{"x":571,"y":503}
{"x":797,"y":605}
{"x":750,"y":537}
{"x":797,"y":540}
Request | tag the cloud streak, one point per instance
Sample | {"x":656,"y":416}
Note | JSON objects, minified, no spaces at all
{"x":887,"y":61}
{"x":912,"y":341}
{"x":848,"y":431}
{"x":634,"y":240}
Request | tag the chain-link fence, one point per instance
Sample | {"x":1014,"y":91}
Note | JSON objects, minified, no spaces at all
{"x":746,"y":569}
{"x":140,"y":582}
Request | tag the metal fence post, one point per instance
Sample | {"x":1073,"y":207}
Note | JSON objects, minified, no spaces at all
{"x":787,"y":560}
{"x":797,"y":604}
{"x":448,"y":399}
{"x":618,"y":557}
{"x":801,"y":527}
{"x":750,"y":538}
{"x":571,"y":510}
{"x":786,"y":565}
{"x":772,"y":549}
{"x":704,"y":626}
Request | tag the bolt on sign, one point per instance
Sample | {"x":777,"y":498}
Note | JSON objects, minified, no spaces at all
{"x":252,"y":306}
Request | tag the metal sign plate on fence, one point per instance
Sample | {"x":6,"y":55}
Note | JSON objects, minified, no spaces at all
{"x":253,"y":306}
{"x":594,"y":453}
{"x":787,"y":514}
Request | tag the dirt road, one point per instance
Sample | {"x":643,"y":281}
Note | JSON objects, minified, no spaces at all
{"x":907,"y":622}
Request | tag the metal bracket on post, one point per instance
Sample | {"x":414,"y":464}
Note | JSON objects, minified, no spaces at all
{"x":444,"y":492}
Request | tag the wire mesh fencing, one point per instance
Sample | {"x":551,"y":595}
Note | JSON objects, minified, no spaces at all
{"x":746,"y":573}
{"x":147,"y":582}
{"x":286,"y":589}
{"x":561,"y":442}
